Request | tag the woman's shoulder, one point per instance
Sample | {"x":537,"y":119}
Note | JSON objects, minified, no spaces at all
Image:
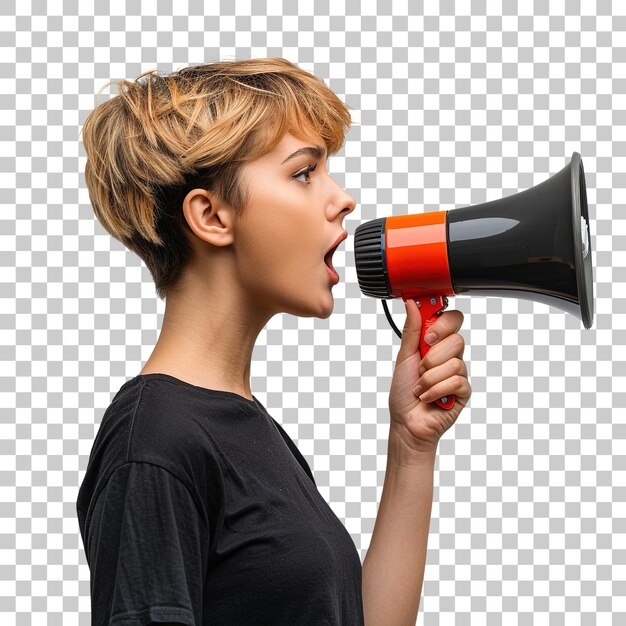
{"x":157,"y":418}
{"x":151,"y":421}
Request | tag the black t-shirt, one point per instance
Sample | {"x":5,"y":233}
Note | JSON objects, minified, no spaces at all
{"x":198,"y":508}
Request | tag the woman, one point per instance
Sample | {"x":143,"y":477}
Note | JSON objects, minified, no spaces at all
{"x":197,"y":507}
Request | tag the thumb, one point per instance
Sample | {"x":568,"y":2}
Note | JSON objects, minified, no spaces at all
{"x":410,"y":341}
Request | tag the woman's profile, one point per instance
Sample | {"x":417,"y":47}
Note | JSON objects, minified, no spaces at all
{"x":196,"y":506}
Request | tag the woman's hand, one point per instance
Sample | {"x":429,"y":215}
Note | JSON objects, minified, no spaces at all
{"x":421,"y":422}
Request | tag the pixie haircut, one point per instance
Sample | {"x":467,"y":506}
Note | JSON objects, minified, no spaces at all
{"x":164,"y":135}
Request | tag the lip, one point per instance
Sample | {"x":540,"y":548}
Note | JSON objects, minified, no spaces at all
{"x":341,"y":237}
{"x":332,"y":273}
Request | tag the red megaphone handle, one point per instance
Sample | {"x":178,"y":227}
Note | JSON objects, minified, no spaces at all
{"x":430,"y":308}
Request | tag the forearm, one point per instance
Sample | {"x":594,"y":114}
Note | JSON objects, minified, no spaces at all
{"x":393,"y":568}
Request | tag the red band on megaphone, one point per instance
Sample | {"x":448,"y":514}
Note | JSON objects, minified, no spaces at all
{"x":417,"y":255}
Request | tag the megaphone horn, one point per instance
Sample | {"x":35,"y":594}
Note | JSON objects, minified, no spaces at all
{"x":534,"y":245}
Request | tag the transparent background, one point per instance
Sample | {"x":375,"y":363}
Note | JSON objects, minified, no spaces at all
{"x":454,"y":103}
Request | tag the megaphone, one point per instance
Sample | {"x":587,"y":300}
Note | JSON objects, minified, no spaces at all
{"x":534,"y":245}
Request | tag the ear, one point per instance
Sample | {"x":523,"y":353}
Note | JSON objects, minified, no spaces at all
{"x":208,"y":218}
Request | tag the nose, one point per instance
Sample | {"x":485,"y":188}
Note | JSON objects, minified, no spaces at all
{"x":346,"y":200}
{"x":352,"y":201}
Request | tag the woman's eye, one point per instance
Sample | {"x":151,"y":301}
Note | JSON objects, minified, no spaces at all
{"x":306,"y":173}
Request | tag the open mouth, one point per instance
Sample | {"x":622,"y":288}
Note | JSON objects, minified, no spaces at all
{"x":328,"y":258}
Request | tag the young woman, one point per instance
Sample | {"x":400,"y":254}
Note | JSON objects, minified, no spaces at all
{"x":196,"y":506}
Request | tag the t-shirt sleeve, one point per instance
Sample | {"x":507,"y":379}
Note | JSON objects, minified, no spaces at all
{"x":147,"y":545}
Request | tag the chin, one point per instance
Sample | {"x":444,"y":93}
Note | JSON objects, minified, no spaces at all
{"x":323,"y":310}
{"x":302,"y":303}
{"x":328,"y":308}
{"x":326,"y":315}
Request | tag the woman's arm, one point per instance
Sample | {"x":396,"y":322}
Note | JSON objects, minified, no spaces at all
{"x":393,"y":569}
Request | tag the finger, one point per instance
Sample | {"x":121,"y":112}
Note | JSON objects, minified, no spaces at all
{"x":448,"y":348}
{"x":436,"y":375}
{"x":449,"y":322}
{"x":410,"y":341}
{"x":457,"y":385}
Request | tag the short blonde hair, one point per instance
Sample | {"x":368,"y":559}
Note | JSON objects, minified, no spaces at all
{"x":194,"y":128}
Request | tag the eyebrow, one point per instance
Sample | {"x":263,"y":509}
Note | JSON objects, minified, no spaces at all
{"x":315,"y":151}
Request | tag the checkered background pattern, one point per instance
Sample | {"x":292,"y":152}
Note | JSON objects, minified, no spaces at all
{"x":453,"y":104}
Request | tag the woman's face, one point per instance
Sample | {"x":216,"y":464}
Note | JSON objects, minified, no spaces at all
{"x":294,"y":216}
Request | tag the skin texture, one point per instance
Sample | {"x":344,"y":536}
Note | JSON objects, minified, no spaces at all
{"x":250,"y":268}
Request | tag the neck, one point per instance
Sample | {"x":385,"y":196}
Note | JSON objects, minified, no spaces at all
{"x":207,"y":340}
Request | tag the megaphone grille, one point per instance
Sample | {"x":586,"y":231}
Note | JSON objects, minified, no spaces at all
{"x":369,"y":255}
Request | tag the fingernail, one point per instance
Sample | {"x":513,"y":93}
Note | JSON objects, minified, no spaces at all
{"x":418,"y":390}
{"x":430,"y":338}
